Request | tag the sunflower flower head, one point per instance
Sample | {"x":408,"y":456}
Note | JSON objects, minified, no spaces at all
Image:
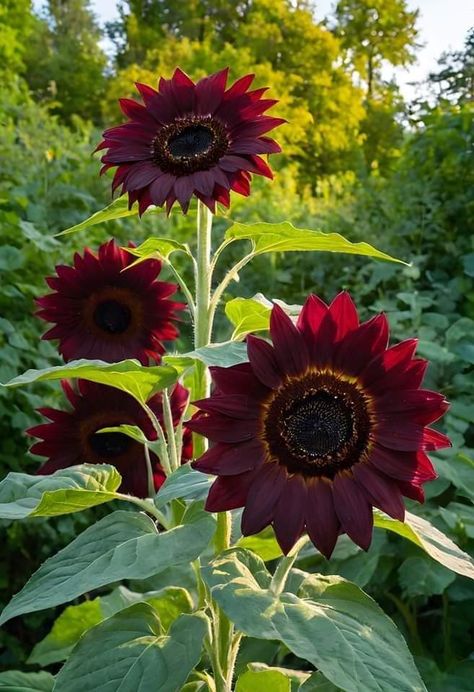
{"x":103,"y":308}
{"x":319,"y":427}
{"x":72,"y":436}
{"x":188,"y":138}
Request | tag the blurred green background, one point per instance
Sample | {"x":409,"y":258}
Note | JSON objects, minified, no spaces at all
{"x":359,"y":159}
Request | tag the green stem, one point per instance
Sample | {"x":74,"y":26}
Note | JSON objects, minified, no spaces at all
{"x":222,"y":628}
{"x":184,"y":288}
{"x":232,"y":273}
{"x":222,"y":536}
{"x":146,"y":506}
{"x":149,"y":473}
{"x":170,"y":434}
{"x":202,"y":318}
{"x":161,"y":441}
{"x":284,"y":566}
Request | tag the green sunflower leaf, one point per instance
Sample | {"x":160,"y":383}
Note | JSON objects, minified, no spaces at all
{"x":247,"y":316}
{"x":431,"y":540}
{"x":118,"y":209}
{"x":157,"y":248}
{"x":250,"y":315}
{"x":258,"y":680}
{"x":284,"y":237}
{"x":184,"y":483}
{"x":75,"y":620}
{"x":17,"y":681}
{"x":123,"y":545}
{"x":65,"y":491}
{"x":224,"y":355}
{"x":129,"y":375}
{"x":330,"y":622}
{"x":128,"y":652}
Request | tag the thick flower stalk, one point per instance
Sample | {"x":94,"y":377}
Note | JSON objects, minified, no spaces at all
{"x":72,"y":436}
{"x":187,"y":138}
{"x":320,"y":427}
{"x":103,"y":308}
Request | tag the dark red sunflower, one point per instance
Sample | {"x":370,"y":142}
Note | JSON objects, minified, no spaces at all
{"x":101,"y":311}
{"x":190,"y":139}
{"x":320,"y":427}
{"x":72,"y":436}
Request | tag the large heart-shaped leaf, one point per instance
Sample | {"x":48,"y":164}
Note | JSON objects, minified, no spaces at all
{"x":128,"y":375}
{"x":330,"y":622}
{"x":65,"y":491}
{"x":123,"y":545}
{"x":129,"y":653}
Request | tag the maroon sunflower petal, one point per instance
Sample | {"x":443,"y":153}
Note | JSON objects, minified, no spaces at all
{"x":353,"y":510}
{"x":267,"y":485}
{"x":231,"y":459}
{"x":291,"y":354}
{"x":289,"y":514}
{"x":229,"y":492}
{"x":383,"y":493}
{"x":322,"y":522}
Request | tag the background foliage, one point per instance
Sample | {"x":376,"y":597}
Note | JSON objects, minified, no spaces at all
{"x":357,"y":160}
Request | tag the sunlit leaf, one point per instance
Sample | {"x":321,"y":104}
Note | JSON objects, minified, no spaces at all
{"x":431,"y":540}
{"x":128,"y":375}
{"x":284,"y":237}
{"x":118,"y":209}
{"x":65,"y":491}
{"x":157,"y":248}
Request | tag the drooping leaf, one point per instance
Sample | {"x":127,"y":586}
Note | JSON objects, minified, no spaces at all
{"x":128,"y":375}
{"x":157,"y":248}
{"x":329,"y":622}
{"x":17,"y":681}
{"x":185,"y":483}
{"x":284,"y":237}
{"x":118,"y":209}
{"x":65,"y":491}
{"x":129,"y":653}
{"x":431,"y":540}
{"x":123,"y":545}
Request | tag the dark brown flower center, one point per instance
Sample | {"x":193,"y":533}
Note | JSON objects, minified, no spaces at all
{"x":191,"y":141}
{"x":109,"y":445}
{"x":320,"y":424}
{"x":190,"y":144}
{"x":112,"y":316}
{"x":317,"y":425}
